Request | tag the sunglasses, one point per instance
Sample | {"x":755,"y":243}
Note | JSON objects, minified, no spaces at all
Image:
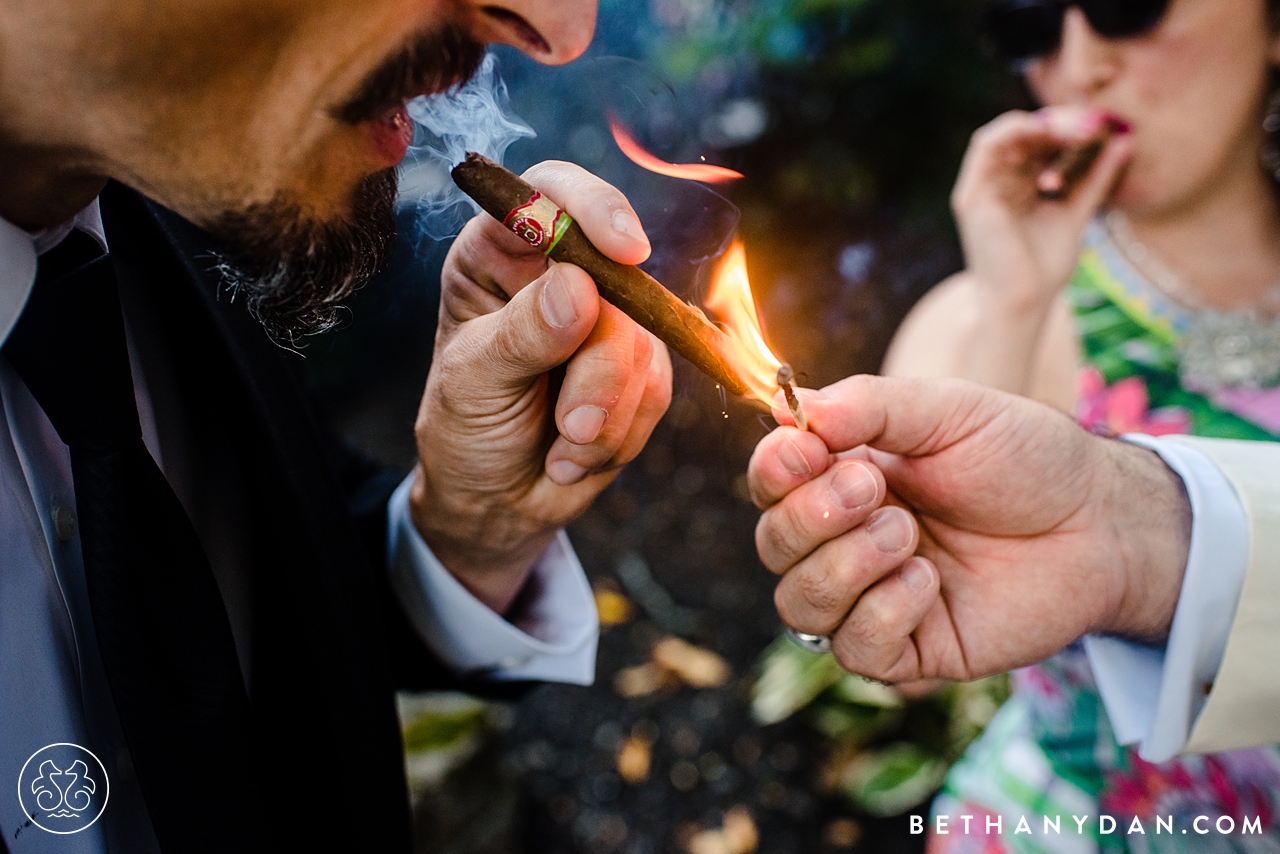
{"x":1025,"y":29}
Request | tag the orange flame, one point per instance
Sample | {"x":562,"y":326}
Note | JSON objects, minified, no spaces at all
{"x":731,"y":301}
{"x":704,"y":172}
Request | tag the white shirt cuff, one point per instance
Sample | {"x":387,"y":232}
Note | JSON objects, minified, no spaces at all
{"x":1152,"y":695}
{"x":552,"y":640}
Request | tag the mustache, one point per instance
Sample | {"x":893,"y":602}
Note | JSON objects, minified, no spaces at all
{"x":433,"y":61}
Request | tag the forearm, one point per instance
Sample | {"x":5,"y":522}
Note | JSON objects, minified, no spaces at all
{"x":1000,"y":351}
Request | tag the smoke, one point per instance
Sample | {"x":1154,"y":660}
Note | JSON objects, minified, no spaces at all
{"x":473,"y":117}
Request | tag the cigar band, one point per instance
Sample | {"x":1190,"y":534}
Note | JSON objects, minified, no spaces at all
{"x":539,"y":223}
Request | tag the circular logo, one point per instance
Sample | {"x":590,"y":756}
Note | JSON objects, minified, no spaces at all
{"x":530,"y":230}
{"x":63,"y":788}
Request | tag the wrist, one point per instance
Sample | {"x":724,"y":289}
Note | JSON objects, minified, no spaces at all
{"x":1012,"y":306}
{"x":1001,"y":349}
{"x":1152,"y":527}
{"x":489,"y":553}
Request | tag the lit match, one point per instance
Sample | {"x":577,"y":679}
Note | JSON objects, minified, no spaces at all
{"x":785,"y":377}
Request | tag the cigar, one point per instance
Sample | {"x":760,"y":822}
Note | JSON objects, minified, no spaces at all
{"x":785,"y":377}
{"x":540,"y":222}
{"x":1071,"y":164}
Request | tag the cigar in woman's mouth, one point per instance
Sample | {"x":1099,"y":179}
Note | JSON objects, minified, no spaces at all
{"x":1059,"y":178}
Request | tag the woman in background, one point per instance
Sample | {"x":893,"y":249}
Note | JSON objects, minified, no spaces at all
{"x":1145,"y":300}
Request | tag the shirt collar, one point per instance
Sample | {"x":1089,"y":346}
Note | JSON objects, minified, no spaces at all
{"x":19,"y":251}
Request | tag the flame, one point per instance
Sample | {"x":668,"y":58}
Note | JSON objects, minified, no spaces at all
{"x":731,"y":301}
{"x":704,"y":172}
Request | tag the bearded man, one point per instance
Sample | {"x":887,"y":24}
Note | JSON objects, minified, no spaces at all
{"x":198,"y":586}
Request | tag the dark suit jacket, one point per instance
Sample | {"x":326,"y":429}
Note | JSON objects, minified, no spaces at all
{"x":330,"y":644}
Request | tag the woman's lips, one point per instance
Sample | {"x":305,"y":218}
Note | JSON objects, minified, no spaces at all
{"x":390,"y":136}
{"x":1116,"y":123}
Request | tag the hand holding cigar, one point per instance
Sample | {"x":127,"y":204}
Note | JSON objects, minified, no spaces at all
{"x":540,"y":222}
{"x":1060,"y":177}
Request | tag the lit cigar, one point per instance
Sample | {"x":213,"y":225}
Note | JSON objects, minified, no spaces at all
{"x":785,"y":377}
{"x":540,"y":222}
{"x":1060,"y":177}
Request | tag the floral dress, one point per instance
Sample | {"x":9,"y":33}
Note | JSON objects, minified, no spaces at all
{"x":1050,"y":751}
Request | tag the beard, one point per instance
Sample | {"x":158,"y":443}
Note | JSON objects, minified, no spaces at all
{"x":294,"y":270}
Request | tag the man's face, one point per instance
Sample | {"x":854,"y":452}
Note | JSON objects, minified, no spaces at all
{"x":277,"y":124}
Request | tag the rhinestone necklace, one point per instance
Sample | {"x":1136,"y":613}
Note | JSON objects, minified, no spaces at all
{"x":1221,"y":349}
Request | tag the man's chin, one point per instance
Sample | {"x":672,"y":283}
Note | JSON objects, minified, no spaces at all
{"x":295,"y":270}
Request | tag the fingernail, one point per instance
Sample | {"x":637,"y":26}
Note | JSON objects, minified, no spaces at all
{"x":565,"y":473}
{"x":793,"y":460}
{"x":583,"y":425}
{"x":625,"y":222}
{"x":557,"y":302}
{"x":853,"y":486}
{"x":889,"y":529}
{"x":917,"y":575}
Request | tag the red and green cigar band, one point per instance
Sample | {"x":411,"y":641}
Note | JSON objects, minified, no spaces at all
{"x":539,"y":223}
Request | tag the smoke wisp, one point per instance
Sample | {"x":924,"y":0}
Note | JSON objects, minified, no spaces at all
{"x":475,"y":116}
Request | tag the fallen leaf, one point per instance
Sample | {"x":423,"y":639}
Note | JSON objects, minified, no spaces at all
{"x":613,"y":608}
{"x":640,"y":681}
{"x":737,"y":836}
{"x":709,"y":842}
{"x":634,"y":758}
{"x":695,"y":666}
{"x":740,"y":830}
{"x":842,"y":833}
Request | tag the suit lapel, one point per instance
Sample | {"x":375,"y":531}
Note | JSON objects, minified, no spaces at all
{"x":322,"y":697}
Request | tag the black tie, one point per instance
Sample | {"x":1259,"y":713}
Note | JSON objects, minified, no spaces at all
{"x":164,"y":635}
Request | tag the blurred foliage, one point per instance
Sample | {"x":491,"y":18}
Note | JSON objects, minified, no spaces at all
{"x":837,"y":106}
{"x":886,"y":754}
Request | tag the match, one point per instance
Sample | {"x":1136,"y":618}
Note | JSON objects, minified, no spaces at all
{"x":785,"y":378}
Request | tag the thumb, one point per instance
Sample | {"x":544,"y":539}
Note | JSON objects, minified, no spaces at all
{"x":539,"y":328}
{"x":906,"y":416}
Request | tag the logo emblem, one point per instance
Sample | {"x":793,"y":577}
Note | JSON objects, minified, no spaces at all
{"x":63,"y":788}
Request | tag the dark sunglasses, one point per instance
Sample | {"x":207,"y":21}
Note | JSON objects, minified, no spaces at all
{"x":1025,"y":29}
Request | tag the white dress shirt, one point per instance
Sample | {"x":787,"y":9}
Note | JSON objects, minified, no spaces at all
{"x":1153,"y":694}
{"x":52,"y":688}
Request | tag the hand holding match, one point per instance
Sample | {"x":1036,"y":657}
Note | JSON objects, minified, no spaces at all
{"x":915,"y":556}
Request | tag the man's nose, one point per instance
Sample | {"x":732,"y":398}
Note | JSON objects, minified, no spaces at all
{"x":550,"y":31}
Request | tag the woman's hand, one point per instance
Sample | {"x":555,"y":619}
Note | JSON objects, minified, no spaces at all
{"x":1021,"y":248}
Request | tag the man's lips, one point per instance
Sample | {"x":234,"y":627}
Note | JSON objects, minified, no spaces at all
{"x":390,"y":136}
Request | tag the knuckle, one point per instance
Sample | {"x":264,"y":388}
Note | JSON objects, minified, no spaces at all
{"x":758,"y":489}
{"x":865,"y":625}
{"x":849,"y":657}
{"x":817,"y":587}
{"x":782,"y":604}
{"x":772,"y":543}
{"x":510,"y":346}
